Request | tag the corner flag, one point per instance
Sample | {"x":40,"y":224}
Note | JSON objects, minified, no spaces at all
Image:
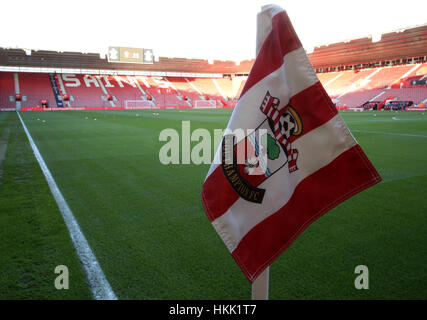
{"x":312,"y":161}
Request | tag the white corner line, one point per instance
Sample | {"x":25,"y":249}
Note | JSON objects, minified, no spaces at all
{"x":101,"y":289}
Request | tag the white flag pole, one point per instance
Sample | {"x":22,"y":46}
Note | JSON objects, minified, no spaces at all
{"x":260,"y":286}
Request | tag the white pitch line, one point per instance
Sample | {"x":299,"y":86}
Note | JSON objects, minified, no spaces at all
{"x":101,"y":289}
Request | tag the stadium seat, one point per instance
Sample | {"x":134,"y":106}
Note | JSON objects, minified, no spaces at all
{"x":36,"y":87}
{"x":85,"y":90}
{"x":7,"y":90}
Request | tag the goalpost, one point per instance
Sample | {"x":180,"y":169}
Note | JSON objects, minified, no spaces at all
{"x":138,"y":104}
{"x":204,"y":104}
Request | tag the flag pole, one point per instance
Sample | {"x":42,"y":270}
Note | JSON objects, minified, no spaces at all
{"x":260,"y":285}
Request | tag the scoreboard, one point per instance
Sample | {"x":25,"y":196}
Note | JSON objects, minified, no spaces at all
{"x":130,"y":55}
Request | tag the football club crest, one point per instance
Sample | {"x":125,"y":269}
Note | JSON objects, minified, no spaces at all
{"x":263,"y":152}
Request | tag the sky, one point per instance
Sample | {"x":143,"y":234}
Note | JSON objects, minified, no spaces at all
{"x":219,"y":29}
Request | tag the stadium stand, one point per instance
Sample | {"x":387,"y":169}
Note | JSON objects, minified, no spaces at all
{"x":387,"y":76}
{"x":206,"y":87}
{"x":347,"y":80}
{"x":7,"y":91}
{"x":121,"y":89}
{"x":355,"y":99}
{"x":328,"y":78}
{"x":163,"y":92}
{"x":84,"y":90}
{"x":242,"y":85}
{"x":417,"y":95}
{"x":347,"y":88}
{"x":207,"y":90}
{"x":383,"y":82}
{"x":352,"y":72}
{"x":227,"y":87}
{"x":187,"y":92}
{"x":36,"y":87}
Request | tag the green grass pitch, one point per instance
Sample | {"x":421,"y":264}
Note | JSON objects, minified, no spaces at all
{"x":147,"y":227}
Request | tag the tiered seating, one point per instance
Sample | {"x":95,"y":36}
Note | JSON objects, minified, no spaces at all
{"x":370,"y":82}
{"x":422,"y":70}
{"x":228,"y":86}
{"x":324,"y":78}
{"x":350,"y":79}
{"x":182,"y":95}
{"x":122,"y":88}
{"x":387,"y":76}
{"x":185,"y":89}
{"x":242,"y":85}
{"x":407,"y":82}
{"x":84,"y":89}
{"x":163,"y":93}
{"x":418,"y":74}
{"x":207,"y":87}
{"x":341,"y":84}
{"x":7,"y":89}
{"x":417,"y":95}
{"x":231,"y":88}
{"x":37,"y":87}
{"x":356,"y":99}
{"x":351,"y":88}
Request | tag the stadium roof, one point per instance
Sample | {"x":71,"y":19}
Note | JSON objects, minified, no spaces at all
{"x":399,"y":46}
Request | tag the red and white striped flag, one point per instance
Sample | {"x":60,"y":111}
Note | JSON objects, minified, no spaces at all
{"x":312,"y":162}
